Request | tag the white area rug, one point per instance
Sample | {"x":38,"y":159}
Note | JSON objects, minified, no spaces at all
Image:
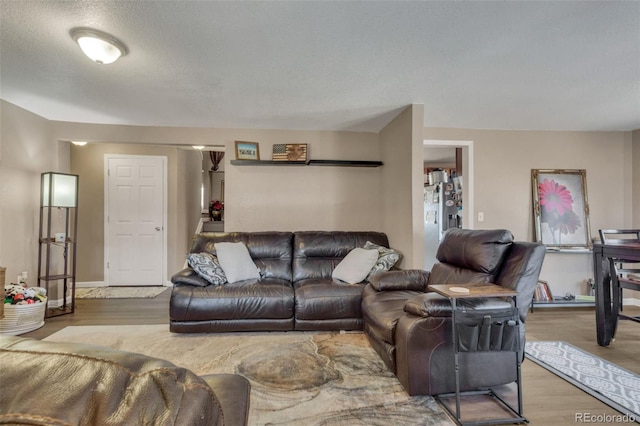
{"x":297,"y":378}
{"x":119,"y":292}
{"x":615,"y":386}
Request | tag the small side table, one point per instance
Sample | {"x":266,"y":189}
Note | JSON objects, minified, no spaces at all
{"x":480,"y":291}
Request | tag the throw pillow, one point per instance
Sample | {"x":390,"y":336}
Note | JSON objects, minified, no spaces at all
{"x":236,"y":262}
{"x":387,"y":257}
{"x":355,"y":266}
{"x":208,"y":267}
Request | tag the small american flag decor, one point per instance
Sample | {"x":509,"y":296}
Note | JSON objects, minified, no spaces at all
{"x":279,"y":152}
{"x":290,"y":152}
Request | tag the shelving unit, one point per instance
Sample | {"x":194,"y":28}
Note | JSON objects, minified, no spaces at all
{"x":340,"y":163}
{"x":57,"y":240}
{"x":560,"y":302}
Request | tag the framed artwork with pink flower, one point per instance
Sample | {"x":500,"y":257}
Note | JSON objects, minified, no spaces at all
{"x":560,"y":208}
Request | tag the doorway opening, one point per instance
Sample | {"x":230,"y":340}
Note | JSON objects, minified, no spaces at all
{"x":448,"y":191}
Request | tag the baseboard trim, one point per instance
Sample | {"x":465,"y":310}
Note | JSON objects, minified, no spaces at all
{"x":88,"y":284}
{"x":58,"y":303}
{"x":91,"y":284}
{"x":627,"y":301}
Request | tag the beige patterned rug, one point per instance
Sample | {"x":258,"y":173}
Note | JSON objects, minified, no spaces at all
{"x":119,"y":292}
{"x":297,"y":378}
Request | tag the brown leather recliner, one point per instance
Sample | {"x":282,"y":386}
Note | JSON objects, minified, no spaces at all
{"x":410,"y":327}
{"x":47,"y":383}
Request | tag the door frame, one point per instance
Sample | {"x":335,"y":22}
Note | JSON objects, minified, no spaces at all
{"x":165,"y":207}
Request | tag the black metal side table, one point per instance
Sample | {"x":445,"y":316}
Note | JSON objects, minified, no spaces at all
{"x":502,"y":326}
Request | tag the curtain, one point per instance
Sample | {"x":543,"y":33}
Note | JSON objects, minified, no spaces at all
{"x":216,"y":157}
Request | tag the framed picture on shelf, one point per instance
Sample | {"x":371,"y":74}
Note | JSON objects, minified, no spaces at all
{"x":290,"y":152}
{"x":247,"y":150}
{"x":560,"y":208}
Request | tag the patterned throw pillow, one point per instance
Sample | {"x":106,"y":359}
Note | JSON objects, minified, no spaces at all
{"x":208,"y":267}
{"x":387,"y":257}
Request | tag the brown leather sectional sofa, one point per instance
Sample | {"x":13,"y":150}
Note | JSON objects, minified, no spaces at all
{"x":48,"y":383}
{"x":295,"y":292}
{"x":409,"y":327}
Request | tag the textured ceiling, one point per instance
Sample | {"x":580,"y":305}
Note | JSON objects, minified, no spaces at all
{"x":564,"y":65}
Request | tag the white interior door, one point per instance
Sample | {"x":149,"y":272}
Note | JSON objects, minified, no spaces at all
{"x":135,"y":220}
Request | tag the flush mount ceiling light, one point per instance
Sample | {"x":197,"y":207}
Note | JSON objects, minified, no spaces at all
{"x":198,"y":147}
{"x":79,"y":143}
{"x":101,"y":47}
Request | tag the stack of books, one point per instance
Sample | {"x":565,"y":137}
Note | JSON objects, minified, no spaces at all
{"x":542,"y":293}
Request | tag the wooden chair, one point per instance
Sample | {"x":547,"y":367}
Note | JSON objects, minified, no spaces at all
{"x":625,"y":273}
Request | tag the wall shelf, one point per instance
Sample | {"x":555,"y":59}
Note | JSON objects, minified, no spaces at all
{"x":562,"y":303}
{"x":345,"y":163}
{"x":267,"y":163}
{"x":341,"y":163}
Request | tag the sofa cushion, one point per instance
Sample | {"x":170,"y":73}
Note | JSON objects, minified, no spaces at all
{"x":71,"y":383}
{"x":356,"y":265}
{"x":381,"y":311}
{"x":236,"y":262}
{"x":249,"y":299}
{"x":478,"y":250}
{"x":317,"y":253}
{"x":208,"y":267}
{"x":324,"y":299}
{"x":406,"y":279}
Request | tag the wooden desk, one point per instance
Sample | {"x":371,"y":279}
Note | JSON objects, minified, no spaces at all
{"x":608,"y":287}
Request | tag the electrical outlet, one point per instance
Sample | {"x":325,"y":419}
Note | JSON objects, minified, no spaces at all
{"x":480,"y":216}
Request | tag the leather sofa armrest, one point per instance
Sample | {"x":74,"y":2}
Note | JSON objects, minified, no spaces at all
{"x":189,"y":277}
{"x":435,"y":305}
{"x":407,"y":279}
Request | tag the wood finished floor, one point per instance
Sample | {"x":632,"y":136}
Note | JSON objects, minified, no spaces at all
{"x":548,"y":399}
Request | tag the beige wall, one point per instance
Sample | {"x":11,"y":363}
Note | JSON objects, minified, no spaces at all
{"x":88,"y":162}
{"x":291,"y":198}
{"x":402,"y":183}
{"x":275,"y":197}
{"x":502,"y":172}
{"x":26,"y":150}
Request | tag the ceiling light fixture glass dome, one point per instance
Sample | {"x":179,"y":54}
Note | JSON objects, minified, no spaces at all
{"x":99,"y":46}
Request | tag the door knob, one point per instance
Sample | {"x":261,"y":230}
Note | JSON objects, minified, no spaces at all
{"x":158,"y":228}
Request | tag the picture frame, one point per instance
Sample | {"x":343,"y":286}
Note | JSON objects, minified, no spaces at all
{"x":290,"y":152}
{"x":247,"y":150}
{"x":561,"y":208}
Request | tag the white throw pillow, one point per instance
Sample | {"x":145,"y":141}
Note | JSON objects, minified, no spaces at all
{"x":355,"y":266}
{"x":236,"y":262}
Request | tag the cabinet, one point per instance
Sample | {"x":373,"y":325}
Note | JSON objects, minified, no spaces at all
{"x":57,"y":241}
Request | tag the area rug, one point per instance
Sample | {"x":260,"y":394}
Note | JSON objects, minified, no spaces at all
{"x":615,"y":386}
{"x":297,"y":378}
{"x":119,"y":292}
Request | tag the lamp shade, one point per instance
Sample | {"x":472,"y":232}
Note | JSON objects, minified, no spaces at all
{"x":59,"y":190}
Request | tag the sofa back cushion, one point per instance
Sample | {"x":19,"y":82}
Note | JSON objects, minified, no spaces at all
{"x":270,"y":251}
{"x":467,"y":255}
{"x":316,"y":253}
